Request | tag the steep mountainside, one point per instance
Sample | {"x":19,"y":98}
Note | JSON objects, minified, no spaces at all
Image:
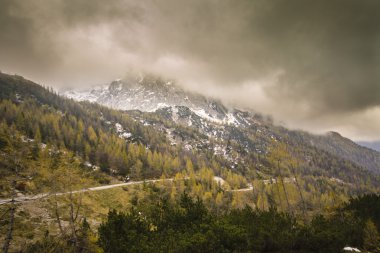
{"x":336,"y":144}
{"x":171,"y":139}
{"x":252,"y":132}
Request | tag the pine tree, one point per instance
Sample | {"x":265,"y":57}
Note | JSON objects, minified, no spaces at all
{"x":371,"y":238}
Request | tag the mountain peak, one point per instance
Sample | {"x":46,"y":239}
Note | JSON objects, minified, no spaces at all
{"x":334,"y":134}
{"x":149,"y":92}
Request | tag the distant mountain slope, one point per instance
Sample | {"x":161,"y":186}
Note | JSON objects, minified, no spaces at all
{"x":212,"y":118}
{"x":372,"y":145}
{"x":334,"y":143}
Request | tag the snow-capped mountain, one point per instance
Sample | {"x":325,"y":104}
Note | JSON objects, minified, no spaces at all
{"x":168,"y":101}
{"x":149,"y":93}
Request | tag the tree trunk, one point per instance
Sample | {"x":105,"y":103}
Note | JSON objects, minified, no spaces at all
{"x":283,"y":187}
{"x":74,"y":237}
{"x":57,"y":216}
{"x":279,"y":194}
{"x":299,"y":191}
{"x":12,"y":212}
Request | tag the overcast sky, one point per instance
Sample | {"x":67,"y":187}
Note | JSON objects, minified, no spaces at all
{"x":311,"y":64}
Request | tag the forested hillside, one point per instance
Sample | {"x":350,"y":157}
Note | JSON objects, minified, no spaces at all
{"x":336,"y":144}
{"x":54,"y":145}
{"x":138,"y":144}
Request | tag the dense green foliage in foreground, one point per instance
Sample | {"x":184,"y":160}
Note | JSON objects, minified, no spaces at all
{"x":188,"y":226}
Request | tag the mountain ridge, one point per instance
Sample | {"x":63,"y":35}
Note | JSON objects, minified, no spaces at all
{"x":212,"y":118}
{"x":149,"y":94}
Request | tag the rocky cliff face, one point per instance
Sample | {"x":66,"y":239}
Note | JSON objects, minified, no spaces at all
{"x":149,"y":93}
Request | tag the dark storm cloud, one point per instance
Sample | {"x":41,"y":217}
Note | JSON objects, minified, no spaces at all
{"x":331,"y":52}
{"x":326,"y":51}
{"x":17,"y":49}
{"x":35,"y":36}
{"x":296,"y":59}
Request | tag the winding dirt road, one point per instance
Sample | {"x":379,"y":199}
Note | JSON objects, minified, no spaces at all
{"x":97,"y":188}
